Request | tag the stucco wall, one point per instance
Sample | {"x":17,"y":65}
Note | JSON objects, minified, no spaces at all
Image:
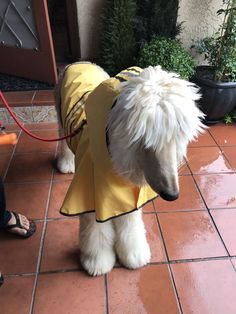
{"x":199,"y":17}
{"x":200,"y":20}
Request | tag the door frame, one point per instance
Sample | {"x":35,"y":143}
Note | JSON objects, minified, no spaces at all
{"x":38,"y":65}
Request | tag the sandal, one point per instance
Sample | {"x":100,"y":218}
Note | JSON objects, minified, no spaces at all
{"x":30,"y":231}
{"x":1,"y":280}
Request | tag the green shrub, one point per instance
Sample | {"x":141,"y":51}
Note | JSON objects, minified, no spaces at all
{"x":157,"y":18}
{"x":169,"y":54}
{"x":118,"y":44}
{"x":230,"y":117}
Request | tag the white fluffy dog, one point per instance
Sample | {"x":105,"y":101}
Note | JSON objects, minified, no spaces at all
{"x":152,"y":120}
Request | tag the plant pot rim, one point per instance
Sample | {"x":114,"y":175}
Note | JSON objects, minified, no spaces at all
{"x":211,"y":83}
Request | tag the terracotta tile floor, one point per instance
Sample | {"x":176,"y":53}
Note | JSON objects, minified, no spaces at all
{"x":192,"y":240}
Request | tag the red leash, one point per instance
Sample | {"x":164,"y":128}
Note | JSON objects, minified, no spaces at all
{"x":35,"y":136}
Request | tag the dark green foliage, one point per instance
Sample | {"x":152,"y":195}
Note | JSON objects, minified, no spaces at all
{"x":168,"y":53}
{"x":118,"y":44}
{"x":230,"y":117}
{"x":157,"y":18}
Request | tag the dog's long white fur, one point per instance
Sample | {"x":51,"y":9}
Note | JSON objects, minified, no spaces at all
{"x":156,"y":112}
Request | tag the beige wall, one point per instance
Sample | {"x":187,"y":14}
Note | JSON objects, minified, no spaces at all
{"x":199,"y":18}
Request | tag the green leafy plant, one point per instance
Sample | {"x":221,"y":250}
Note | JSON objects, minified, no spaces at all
{"x":230,"y":117}
{"x":220,"y":49}
{"x":128,"y":24}
{"x":170,"y":54}
{"x":118,"y":44}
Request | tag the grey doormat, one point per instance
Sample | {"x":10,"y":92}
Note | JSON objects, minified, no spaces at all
{"x":10,"y":83}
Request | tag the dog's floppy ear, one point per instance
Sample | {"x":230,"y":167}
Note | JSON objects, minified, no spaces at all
{"x":155,"y":101}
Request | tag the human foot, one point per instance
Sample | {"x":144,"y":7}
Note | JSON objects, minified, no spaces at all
{"x":20,"y":225}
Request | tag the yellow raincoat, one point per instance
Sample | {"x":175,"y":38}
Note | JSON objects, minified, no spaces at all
{"x":87,"y":94}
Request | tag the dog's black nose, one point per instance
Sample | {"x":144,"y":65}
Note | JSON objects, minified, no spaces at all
{"x":169,"y":197}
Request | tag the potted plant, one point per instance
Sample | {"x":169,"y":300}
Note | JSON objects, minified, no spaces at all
{"x":169,"y":54}
{"x":218,"y":79}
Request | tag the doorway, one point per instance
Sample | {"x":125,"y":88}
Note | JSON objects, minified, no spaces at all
{"x":65,"y":31}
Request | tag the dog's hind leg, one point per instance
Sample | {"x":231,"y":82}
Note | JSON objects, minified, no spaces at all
{"x":97,"y":253}
{"x":131,"y":244}
{"x":65,"y":158}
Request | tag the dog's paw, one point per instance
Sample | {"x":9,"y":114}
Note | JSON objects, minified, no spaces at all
{"x":99,"y":264}
{"x":66,"y":165}
{"x":134,"y":256}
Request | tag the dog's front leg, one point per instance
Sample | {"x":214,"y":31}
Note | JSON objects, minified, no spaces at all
{"x":97,"y":253}
{"x":131,"y":244}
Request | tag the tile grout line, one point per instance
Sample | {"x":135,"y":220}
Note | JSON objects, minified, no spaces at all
{"x":10,"y":160}
{"x":106,"y":300}
{"x":168,"y":265}
{"x":209,"y":132}
{"x":234,"y":266}
{"x":171,"y":262}
{"x":33,"y":97}
{"x":42,"y":242}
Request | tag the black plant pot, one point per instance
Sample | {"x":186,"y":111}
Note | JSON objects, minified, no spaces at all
{"x":218,"y":98}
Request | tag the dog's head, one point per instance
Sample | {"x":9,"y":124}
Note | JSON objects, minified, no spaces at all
{"x":150,"y":126}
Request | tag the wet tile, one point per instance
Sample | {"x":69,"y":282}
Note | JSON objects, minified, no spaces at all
{"x":226,"y":224}
{"x":58,"y":176}
{"x":154,"y":238}
{"x":29,"y":199}
{"x":184,"y":169}
{"x":4,"y":162}
{"x":204,"y":139}
{"x":230,"y":154}
{"x":148,"y":290}
{"x":61,"y":245}
{"x":19,"y":255}
{"x":233,"y":260}
{"x":223,"y":134}
{"x":190,"y":235}
{"x":189,"y":198}
{"x":69,"y":292}
{"x":16,"y":293}
{"x":18,"y":98}
{"x":58,"y":194}
{"x":218,"y":190}
{"x":149,"y":208}
{"x":13,"y":127}
{"x":44,"y":97}
{"x":30,"y":167}
{"x":206,"y":287}
{"x":207,"y":160}
{"x":27,"y":144}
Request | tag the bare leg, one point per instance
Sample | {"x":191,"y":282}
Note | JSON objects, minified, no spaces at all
{"x":131,"y":244}
{"x":97,"y":253}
